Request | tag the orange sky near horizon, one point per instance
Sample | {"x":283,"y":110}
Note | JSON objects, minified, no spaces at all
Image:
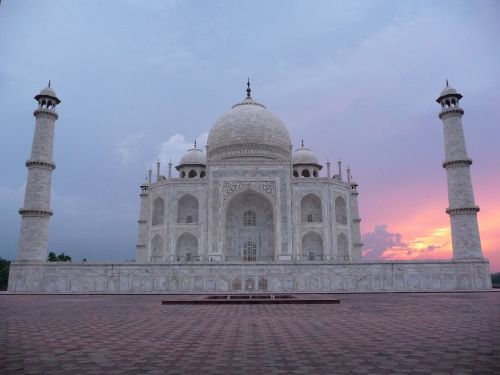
{"x":428,"y":225}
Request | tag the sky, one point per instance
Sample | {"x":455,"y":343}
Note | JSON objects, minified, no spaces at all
{"x":357,"y":80}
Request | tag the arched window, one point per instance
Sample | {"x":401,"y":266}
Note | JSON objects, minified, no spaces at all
{"x":305,"y":173}
{"x":315,"y":173}
{"x":249,"y":219}
{"x":187,"y":248}
{"x":342,"y":247}
{"x":340,"y":211}
{"x":310,"y":209}
{"x":158,"y":211}
{"x":202,"y":174}
{"x":312,"y":246}
{"x":250,"y":251}
{"x":156,"y":248}
{"x":295,"y":173}
{"x":192,"y":173}
{"x":263,"y":284}
{"x":183,"y":174}
{"x":249,"y":284}
{"x":187,"y":209}
{"x":236,"y":284}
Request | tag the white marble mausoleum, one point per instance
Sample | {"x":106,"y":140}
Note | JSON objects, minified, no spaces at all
{"x":249,"y":213}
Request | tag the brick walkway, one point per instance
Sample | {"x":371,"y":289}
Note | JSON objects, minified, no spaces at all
{"x":366,"y":333}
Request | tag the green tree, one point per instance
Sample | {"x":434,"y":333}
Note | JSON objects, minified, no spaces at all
{"x":4,"y":273}
{"x":63,"y":258}
{"x":495,"y":280}
{"x":58,"y":258}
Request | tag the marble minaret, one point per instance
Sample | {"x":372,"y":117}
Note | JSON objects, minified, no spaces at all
{"x":36,"y":210}
{"x":462,"y":208}
{"x":357,"y":244}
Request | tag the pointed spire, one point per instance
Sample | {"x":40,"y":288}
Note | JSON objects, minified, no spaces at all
{"x":49,"y":82}
{"x":302,"y":143}
{"x":195,"y":143}
{"x":447,"y":83}
{"x":249,"y":90}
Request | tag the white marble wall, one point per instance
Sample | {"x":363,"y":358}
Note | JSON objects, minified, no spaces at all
{"x":225,"y":277}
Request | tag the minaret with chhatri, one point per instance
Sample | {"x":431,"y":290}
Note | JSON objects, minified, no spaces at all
{"x":36,"y":210}
{"x":462,"y":208}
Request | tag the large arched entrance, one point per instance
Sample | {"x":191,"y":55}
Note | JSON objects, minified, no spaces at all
{"x":249,"y":230}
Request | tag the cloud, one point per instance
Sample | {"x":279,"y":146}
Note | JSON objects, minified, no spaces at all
{"x":378,"y":241}
{"x":382,"y":244}
{"x":176,"y":146}
{"x":128,"y":148}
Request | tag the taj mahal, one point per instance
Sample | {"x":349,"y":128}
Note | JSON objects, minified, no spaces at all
{"x":249,"y":212}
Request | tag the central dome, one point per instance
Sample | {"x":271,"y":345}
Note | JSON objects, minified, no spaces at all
{"x":249,"y":129}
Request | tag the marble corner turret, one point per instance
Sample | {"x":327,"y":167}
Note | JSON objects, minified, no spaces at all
{"x":142,"y":236}
{"x":35,"y":213}
{"x":462,"y":207}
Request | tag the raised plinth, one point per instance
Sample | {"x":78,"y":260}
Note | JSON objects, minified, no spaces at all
{"x":278,"y":277}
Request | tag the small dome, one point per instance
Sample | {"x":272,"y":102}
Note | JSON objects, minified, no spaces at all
{"x":48,"y":92}
{"x":248,"y":130}
{"x":194,"y":156}
{"x":448,"y":90}
{"x":303,"y":156}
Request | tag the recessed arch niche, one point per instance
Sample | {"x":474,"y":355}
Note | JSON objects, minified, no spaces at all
{"x":237,"y":235}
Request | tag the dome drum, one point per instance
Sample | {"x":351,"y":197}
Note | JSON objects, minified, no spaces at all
{"x":249,"y":150}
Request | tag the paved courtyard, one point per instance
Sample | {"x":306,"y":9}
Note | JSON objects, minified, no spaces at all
{"x":366,"y":333}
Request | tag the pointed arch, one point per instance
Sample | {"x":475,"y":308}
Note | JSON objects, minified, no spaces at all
{"x":158,"y":211}
{"x":156,"y":248}
{"x":255,"y":241}
{"x":312,"y":246}
{"x":186,"y":248}
{"x":310,"y":209}
{"x":187,"y":209}
{"x":340,"y":210}
{"x":342,"y":247}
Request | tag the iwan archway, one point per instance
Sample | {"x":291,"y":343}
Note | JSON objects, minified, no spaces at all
{"x":249,"y":233}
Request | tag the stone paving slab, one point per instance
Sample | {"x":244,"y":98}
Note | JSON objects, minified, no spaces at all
{"x":448,"y":333}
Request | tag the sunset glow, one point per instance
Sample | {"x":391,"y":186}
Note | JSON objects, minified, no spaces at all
{"x":426,"y":234}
